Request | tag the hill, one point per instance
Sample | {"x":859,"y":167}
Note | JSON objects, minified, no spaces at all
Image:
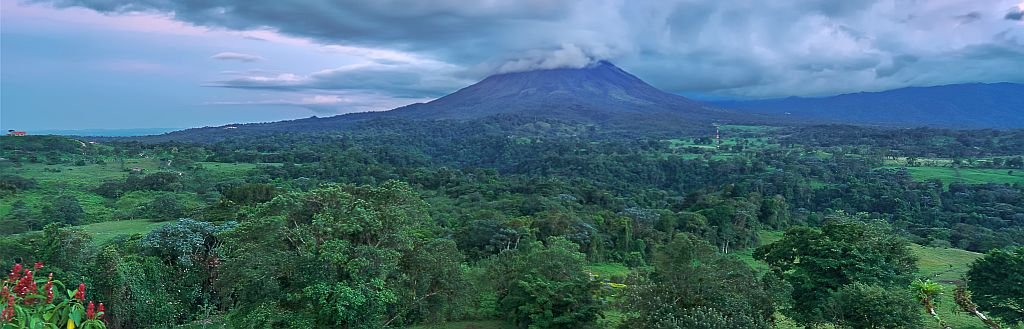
{"x":976,"y":105}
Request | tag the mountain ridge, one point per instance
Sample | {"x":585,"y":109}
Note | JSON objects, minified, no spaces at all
{"x":970,"y":105}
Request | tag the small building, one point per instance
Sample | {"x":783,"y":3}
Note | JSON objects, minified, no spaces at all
{"x":12,"y":132}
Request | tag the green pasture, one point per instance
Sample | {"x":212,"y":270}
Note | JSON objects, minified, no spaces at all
{"x":967,"y":175}
{"x":79,"y":181}
{"x":105,"y":231}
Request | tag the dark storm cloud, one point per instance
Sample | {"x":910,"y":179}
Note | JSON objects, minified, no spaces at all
{"x":968,"y":17}
{"x":1015,"y":14}
{"x":399,"y":80}
{"x":763,"y":48}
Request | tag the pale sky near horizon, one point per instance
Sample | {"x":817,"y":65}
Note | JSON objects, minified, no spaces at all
{"x":87,"y":64}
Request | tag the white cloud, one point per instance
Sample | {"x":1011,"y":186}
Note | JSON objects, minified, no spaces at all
{"x":399,"y":79}
{"x":331,"y":103}
{"x":232,"y":56}
{"x":750,"y":48}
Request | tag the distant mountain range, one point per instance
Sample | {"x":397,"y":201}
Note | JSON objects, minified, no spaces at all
{"x":976,"y":105}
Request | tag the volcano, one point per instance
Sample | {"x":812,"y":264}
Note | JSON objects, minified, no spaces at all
{"x":590,"y":92}
{"x":600,"y":95}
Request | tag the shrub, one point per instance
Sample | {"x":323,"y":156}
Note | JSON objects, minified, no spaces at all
{"x":27,"y":306}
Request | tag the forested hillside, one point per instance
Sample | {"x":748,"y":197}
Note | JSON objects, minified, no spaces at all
{"x":512,"y":222}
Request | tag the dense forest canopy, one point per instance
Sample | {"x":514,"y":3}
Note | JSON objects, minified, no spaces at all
{"x":527,"y":223}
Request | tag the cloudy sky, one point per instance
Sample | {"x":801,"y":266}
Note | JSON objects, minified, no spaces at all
{"x":78,"y":64}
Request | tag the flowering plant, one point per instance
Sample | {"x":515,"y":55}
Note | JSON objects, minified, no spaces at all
{"x":26,"y":306}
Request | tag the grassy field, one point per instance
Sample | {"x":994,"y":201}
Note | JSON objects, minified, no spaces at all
{"x":943,"y":264}
{"x":78,"y":181}
{"x":105,"y":231}
{"x":608,"y":270}
{"x":970,"y":175}
{"x":947,"y":265}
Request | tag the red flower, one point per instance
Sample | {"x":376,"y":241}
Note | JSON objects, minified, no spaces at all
{"x":80,"y":294}
{"x":8,"y":313}
{"x":102,"y":311}
{"x":90,"y":311}
{"x":25,"y":285}
{"x":16,"y":273}
{"x":37,"y":266}
{"x":48,"y":288}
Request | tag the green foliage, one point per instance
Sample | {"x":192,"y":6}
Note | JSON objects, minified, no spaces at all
{"x":32,"y":303}
{"x":185,"y":242}
{"x":338,"y":256}
{"x":65,"y":209}
{"x":546,"y":286}
{"x":997,"y":283}
{"x":819,"y":262}
{"x":250,"y":194}
{"x":15,"y":183}
{"x":862,"y":306}
{"x":66,"y":248}
{"x":341,"y":255}
{"x":165,"y":207}
{"x":693,"y":286}
{"x":19,"y":219}
{"x":140,"y":289}
{"x":929,"y":293}
{"x":733,"y":223}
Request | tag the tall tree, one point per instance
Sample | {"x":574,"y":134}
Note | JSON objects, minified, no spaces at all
{"x":338,"y":256}
{"x":546,"y":286}
{"x":693,"y":286}
{"x":65,"y":209}
{"x":996,"y":282}
{"x":818,"y":262}
{"x":862,"y":306}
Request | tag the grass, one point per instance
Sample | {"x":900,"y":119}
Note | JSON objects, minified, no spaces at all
{"x":967,"y":175}
{"x":946,"y":266}
{"x":943,"y":264}
{"x":746,"y":129}
{"x":608,"y":270}
{"x":78,"y":181}
{"x":106,"y":231}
